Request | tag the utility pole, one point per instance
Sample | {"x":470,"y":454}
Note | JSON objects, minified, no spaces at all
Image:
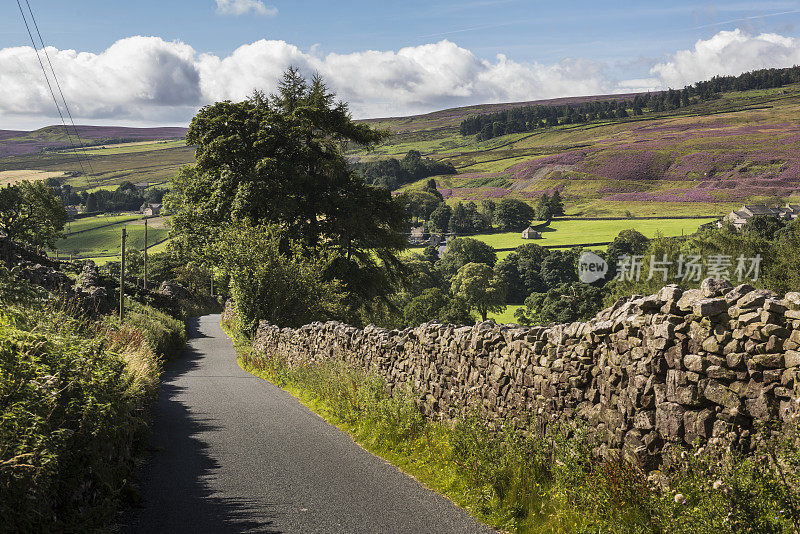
{"x":122,"y":278}
{"x":145,"y":254}
{"x":212,"y":281}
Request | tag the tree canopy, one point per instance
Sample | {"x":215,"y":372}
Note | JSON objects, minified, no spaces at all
{"x":278,"y":160}
{"x":30,"y":213}
{"x":480,"y":288}
{"x":513,"y":215}
{"x":464,"y":250}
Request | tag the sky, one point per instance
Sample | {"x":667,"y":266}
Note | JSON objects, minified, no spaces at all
{"x":154,"y":63}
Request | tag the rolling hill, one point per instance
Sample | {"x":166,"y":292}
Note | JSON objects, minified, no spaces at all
{"x":702,"y":159}
{"x":20,"y":143}
{"x":698,"y":160}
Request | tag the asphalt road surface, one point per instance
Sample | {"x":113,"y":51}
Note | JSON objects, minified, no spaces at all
{"x":233,"y":453}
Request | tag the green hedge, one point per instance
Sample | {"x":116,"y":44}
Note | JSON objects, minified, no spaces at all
{"x":74,"y":396}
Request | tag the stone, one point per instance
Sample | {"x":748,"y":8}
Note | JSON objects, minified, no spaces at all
{"x":759,"y":408}
{"x":696,"y":363}
{"x":669,"y":420}
{"x":719,"y":393}
{"x":738,"y":292}
{"x":775,"y":306}
{"x":688,"y":299}
{"x":753,"y":299}
{"x":791,"y":358}
{"x":645,"y":420}
{"x":735,"y":360}
{"x":766,"y":361}
{"x":793,"y":298}
{"x":720,"y":373}
{"x":710,"y":307}
{"x":714,"y":287}
{"x":698,"y":424}
{"x":711,"y":344}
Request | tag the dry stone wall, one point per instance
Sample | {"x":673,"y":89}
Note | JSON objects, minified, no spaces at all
{"x":677,"y":366}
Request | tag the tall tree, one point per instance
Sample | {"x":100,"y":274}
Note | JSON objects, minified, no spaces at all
{"x":278,"y":159}
{"x":543,"y":210}
{"x":556,"y":204}
{"x":440,"y":218}
{"x":465,"y":250}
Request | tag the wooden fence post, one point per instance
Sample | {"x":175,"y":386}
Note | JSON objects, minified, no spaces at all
{"x":145,"y":254}
{"x":122,"y":278}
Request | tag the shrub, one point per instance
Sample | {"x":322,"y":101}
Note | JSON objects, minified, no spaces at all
{"x":72,"y":410}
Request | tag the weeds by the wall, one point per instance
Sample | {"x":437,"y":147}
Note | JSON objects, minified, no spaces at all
{"x":524,"y":481}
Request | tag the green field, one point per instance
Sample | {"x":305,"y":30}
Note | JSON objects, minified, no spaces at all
{"x":574,"y":232}
{"x":89,"y":223}
{"x":506,"y":316}
{"x":100,"y":239}
{"x":128,"y":148}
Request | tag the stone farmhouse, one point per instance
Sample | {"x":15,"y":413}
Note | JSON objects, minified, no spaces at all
{"x":739,"y":217}
{"x":530,"y":233}
{"x":150,"y":210}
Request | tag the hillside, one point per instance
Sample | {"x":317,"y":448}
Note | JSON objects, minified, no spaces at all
{"x":19,"y":143}
{"x":701,"y":159}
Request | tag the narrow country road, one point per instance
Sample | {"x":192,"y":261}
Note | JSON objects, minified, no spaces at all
{"x":233,"y":453}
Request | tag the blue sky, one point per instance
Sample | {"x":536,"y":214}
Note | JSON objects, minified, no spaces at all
{"x":426,"y":55}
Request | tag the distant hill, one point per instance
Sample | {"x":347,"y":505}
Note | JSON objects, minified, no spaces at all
{"x":20,"y":143}
{"x":707,"y":156}
{"x":702,"y":158}
{"x":452,"y":117}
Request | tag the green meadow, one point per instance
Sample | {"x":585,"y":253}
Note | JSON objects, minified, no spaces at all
{"x":102,"y":235}
{"x":574,"y":232}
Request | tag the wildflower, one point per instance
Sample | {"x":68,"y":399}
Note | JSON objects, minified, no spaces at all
{"x":717,"y":484}
{"x":680,"y":499}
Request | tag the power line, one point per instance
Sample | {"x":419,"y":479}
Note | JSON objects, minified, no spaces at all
{"x":52,"y":93}
{"x":58,"y":85}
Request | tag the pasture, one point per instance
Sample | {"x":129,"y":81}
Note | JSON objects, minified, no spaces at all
{"x":128,"y":148}
{"x":101,"y":236}
{"x":575,"y":232}
{"x":506,"y":316}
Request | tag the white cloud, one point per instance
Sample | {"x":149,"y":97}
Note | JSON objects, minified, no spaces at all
{"x":149,"y":80}
{"x":242,"y":7}
{"x":727,"y":53}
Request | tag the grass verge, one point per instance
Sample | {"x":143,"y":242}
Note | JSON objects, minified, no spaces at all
{"x":547,"y":481}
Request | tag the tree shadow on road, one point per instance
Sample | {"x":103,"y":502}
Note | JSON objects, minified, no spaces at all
{"x":177,"y":496}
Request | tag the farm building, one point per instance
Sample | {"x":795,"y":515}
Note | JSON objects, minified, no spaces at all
{"x":417,"y":234}
{"x":739,"y":217}
{"x":530,"y":233}
{"x":437,"y":240}
{"x":150,"y":210}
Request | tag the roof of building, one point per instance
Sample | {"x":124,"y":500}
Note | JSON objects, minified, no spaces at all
{"x":760,"y":209}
